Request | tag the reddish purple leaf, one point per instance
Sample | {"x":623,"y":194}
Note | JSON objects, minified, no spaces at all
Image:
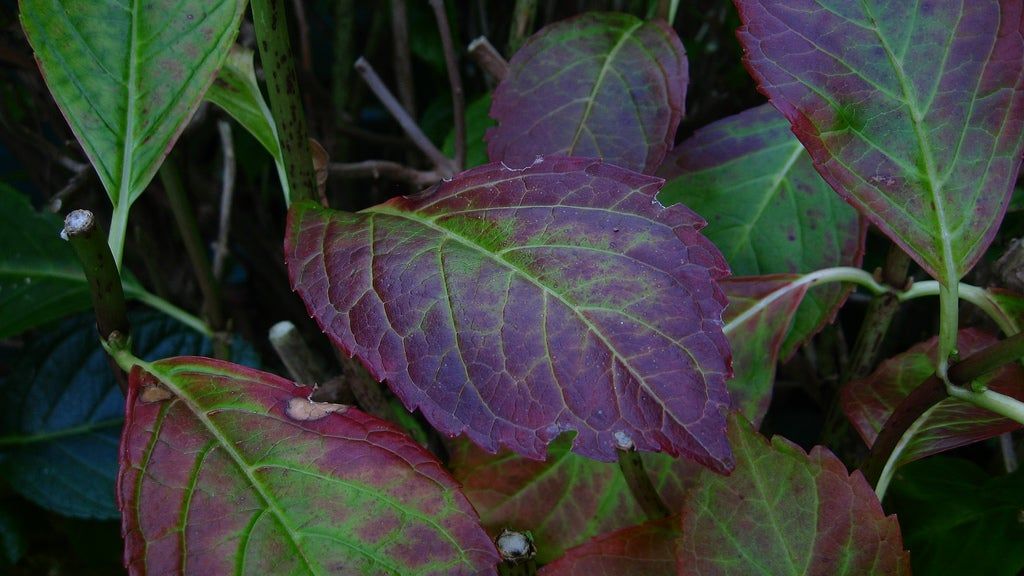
{"x":951,"y":423}
{"x":768,"y":210}
{"x":227,"y":470}
{"x":563,"y":501}
{"x":644,"y":550}
{"x":785,"y":512}
{"x":514,"y":305}
{"x":912,"y":111}
{"x":605,"y":85}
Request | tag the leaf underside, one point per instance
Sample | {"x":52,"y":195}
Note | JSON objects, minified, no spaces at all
{"x":911,"y":110}
{"x":239,"y":473}
{"x":129,"y":75}
{"x":517,"y":304}
{"x":768,"y":210}
{"x":951,"y":423}
{"x":603,"y":85}
{"x":786,"y":512}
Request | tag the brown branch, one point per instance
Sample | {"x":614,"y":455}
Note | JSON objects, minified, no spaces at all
{"x":415,"y":133}
{"x":454,"y":81}
{"x":226,"y":195}
{"x":403,"y":59}
{"x":487,"y":57}
{"x":377,"y":169}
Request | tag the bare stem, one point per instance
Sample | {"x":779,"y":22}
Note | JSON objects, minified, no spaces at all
{"x":403,"y":59}
{"x":226,"y":195}
{"x":373,"y":80}
{"x":987,"y":360}
{"x":879,"y":315}
{"x":487,"y":57}
{"x":303,"y":365}
{"x":185,"y":218}
{"x":454,"y":80}
{"x":271,"y":23}
{"x":383,"y":168}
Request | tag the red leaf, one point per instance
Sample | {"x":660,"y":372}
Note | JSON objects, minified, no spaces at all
{"x":228,"y":470}
{"x":514,"y":305}
{"x":786,"y":512}
{"x":951,"y":423}
{"x":600,"y":84}
{"x":912,"y":111}
{"x":644,"y":550}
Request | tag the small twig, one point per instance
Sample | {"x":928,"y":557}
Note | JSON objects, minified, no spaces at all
{"x":74,"y":185}
{"x":455,"y":82}
{"x":271,"y":23}
{"x":185,"y":218}
{"x":1009,"y":453}
{"x":90,"y":245}
{"x":441,"y":162}
{"x":403,"y":59}
{"x":303,"y":365}
{"x":487,"y":57}
{"x":226,"y":195}
{"x":639,"y":482}
{"x":523,"y":16}
{"x":377,"y":169}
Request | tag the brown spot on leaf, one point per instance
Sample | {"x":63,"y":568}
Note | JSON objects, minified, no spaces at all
{"x":305,"y":410}
{"x":153,"y":394}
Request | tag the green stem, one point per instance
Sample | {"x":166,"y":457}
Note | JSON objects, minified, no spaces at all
{"x":1001,"y":404}
{"x":823,"y":276}
{"x":271,"y":23}
{"x":639,"y":482}
{"x":158,"y":303}
{"x":188,"y":227}
{"x":86,"y":238}
{"x":949,"y":311}
{"x":973,"y":294}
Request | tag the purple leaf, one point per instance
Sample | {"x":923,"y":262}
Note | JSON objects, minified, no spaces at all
{"x":227,"y":470}
{"x":514,"y":305}
{"x":912,"y":111}
{"x":644,"y":550}
{"x":605,"y":85}
{"x":768,"y":211}
{"x":786,"y":512}
{"x":951,"y":423}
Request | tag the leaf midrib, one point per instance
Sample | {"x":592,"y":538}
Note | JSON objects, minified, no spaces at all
{"x":236,"y":457}
{"x":599,"y":81}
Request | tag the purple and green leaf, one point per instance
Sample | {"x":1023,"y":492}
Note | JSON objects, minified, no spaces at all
{"x":768,"y":211}
{"x":951,"y":423}
{"x":229,"y":470}
{"x":517,"y":304}
{"x":912,"y":111}
{"x":644,"y":550}
{"x":603,"y":85}
{"x":786,"y":512}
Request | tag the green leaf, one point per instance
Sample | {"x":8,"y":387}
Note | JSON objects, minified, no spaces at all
{"x":563,"y":500}
{"x":40,"y":277}
{"x":128,"y":76}
{"x":768,"y":210}
{"x":61,"y":411}
{"x":477,"y":123}
{"x":227,"y":470}
{"x":959,"y":520}
{"x":644,"y":550}
{"x":786,"y":512}
{"x":237,"y":92}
